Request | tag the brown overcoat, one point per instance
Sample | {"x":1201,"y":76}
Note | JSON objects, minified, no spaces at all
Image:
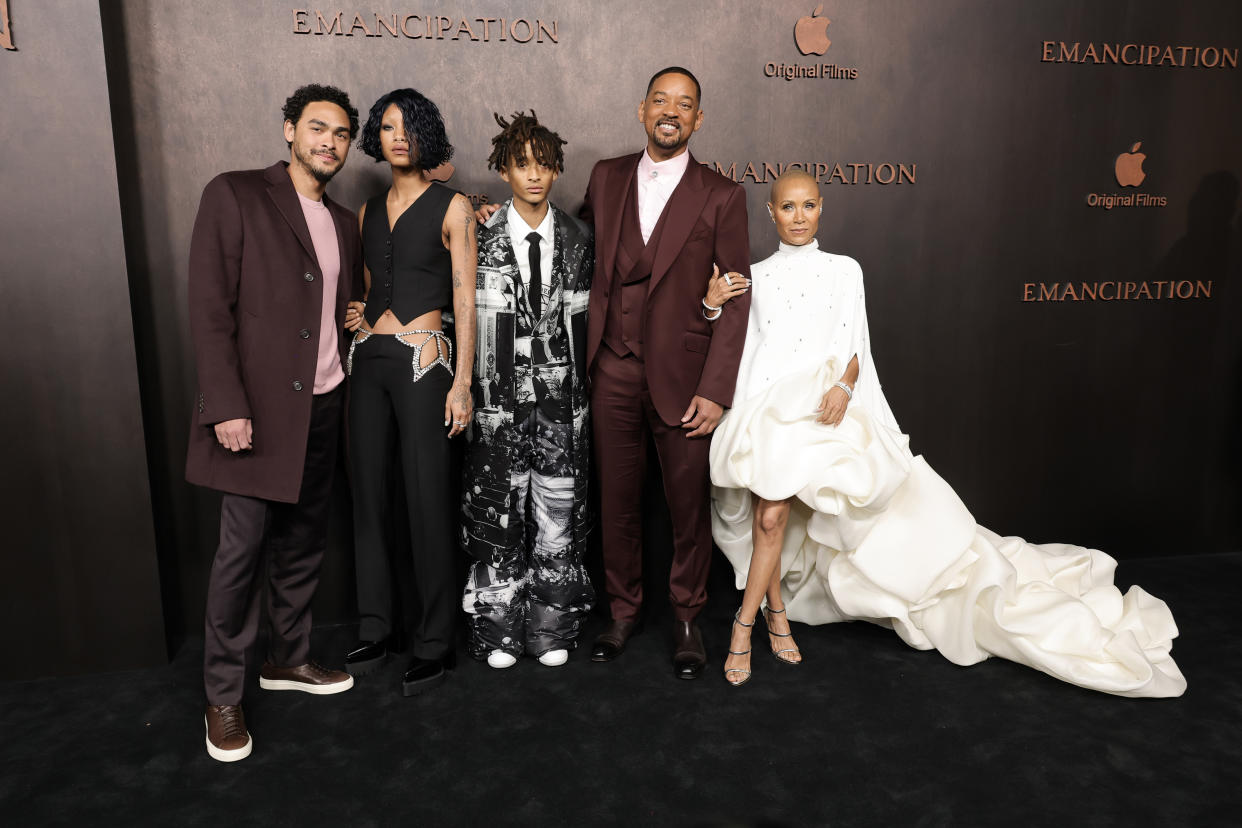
{"x":705,"y":224}
{"x":256,"y":294}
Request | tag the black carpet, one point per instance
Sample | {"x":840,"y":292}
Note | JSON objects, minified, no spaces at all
{"x":866,"y":732}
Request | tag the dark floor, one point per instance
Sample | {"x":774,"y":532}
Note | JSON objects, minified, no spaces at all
{"x":866,"y":732}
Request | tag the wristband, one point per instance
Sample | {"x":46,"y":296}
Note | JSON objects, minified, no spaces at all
{"x":849,"y":392}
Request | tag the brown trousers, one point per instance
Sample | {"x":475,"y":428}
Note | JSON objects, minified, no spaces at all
{"x":623,"y":418}
{"x":290,"y":538}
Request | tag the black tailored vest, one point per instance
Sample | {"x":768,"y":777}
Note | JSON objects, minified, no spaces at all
{"x":411,"y":270}
{"x":630,"y":279}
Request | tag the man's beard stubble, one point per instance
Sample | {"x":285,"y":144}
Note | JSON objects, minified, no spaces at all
{"x":667,"y":141}
{"x":322,"y":175}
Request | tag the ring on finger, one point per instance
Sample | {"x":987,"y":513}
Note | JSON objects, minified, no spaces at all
{"x":728,"y":281}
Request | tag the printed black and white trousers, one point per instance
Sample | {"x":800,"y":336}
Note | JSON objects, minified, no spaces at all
{"x":534,"y":593}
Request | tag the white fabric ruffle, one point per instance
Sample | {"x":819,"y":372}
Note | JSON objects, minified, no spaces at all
{"x":875,"y":534}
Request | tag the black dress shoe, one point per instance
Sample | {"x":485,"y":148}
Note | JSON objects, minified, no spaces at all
{"x":689,"y":656}
{"x":425,"y":673}
{"x":611,"y":642}
{"x":368,"y":656}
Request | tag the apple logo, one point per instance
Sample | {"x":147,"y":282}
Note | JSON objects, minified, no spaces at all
{"x":811,"y":33}
{"x":1129,"y":167}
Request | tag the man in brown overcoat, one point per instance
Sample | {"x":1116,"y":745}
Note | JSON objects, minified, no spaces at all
{"x":273,"y":262}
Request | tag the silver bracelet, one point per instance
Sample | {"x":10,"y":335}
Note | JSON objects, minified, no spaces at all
{"x":709,"y":307}
{"x":712,"y":318}
{"x":849,"y":392}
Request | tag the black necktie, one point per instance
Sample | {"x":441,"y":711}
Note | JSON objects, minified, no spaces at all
{"x":535,"y":285}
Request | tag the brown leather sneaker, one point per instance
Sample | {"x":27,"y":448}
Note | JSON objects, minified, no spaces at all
{"x":227,"y":738}
{"x":309,"y":678}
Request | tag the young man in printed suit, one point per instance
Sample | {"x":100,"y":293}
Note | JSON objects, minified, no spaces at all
{"x":525,"y":506}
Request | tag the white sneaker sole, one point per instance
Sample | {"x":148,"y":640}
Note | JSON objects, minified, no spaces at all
{"x":500,"y":660}
{"x":554,"y":658}
{"x":314,"y":689}
{"x":221,"y":755}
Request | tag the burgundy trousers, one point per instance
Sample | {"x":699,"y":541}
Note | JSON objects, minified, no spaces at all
{"x":279,"y":545}
{"x":623,"y":418}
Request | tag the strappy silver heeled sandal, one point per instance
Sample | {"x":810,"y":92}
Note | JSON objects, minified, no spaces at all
{"x":737,"y":619}
{"x":775,"y":652}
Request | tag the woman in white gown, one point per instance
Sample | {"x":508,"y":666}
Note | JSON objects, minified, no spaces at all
{"x":822,"y":509}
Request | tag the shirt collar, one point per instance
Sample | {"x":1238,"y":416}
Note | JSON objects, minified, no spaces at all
{"x":519,"y":229}
{"x":672,"y":169}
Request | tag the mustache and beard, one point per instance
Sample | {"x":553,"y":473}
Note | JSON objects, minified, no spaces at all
{"x":667,"y":140}
{"x":321,"y":173}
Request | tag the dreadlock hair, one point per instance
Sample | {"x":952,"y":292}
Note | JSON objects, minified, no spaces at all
{"x":510,"y":145}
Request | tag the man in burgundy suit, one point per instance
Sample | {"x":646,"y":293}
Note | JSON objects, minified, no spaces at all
{"x":273,"y":262}
{"x":660,"y":367}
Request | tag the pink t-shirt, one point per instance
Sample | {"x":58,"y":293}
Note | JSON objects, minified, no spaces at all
{"x":328,"y":371}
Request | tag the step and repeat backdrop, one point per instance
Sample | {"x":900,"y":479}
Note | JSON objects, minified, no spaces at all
{"x":1043,"y":198}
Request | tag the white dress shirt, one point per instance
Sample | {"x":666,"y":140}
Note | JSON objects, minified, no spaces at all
{"x":656,"y":182}
{"x":518,"y":231}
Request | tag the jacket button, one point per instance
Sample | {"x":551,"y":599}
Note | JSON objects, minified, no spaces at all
{"x":310,"y":277}
{"x":305,"y":334}
{"x":297,"y":385}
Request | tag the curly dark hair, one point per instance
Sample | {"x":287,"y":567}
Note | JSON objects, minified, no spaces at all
{"x":423,"y":126}
{"x":509,"y":146}
{"x":677,"y":70}
{"x":311,"y":92}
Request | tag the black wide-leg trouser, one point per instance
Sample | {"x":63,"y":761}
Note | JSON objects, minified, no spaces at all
{"x":386,"y":408}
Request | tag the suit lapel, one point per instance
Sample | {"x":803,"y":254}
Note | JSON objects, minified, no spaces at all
{"x":281,"y":191}
{"x":620,"y":182}
{"x":680,"y":214}
{"x":344,"y":287}
{"x":561,"y":245}
{"x":501,"y":256}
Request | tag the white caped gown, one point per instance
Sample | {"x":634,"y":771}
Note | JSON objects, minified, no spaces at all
{"x":875,"y":534}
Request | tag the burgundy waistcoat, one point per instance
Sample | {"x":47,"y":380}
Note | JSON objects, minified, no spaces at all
{"x":623,"y":328}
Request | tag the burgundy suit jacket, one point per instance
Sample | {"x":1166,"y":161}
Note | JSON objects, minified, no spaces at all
{"x":705,"y":223}
{"x":255,"y":289}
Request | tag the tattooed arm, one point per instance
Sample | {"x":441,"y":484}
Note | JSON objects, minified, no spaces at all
{"x":459,"y":227}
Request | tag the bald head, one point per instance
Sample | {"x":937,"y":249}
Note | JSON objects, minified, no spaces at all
{"x":795,"y":206}
{"x":792,"y":175}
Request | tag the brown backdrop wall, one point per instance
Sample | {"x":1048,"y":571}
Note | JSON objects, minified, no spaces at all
{"x":1108,"y":423}
{"x":79,"y":588}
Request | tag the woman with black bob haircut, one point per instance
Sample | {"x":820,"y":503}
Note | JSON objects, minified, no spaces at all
{"x":418,"y":240}
{"x":423,"y":123}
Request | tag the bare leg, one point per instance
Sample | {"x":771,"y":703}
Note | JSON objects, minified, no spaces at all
{"x":767,"y":532}
{"x":779,"y":636}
